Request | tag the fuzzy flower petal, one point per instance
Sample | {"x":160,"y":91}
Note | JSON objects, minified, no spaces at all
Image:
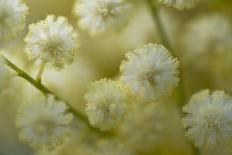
{"x":12,"y":18}
{"x":99,"y":16}
{"x":107,"y":104}
{"x":150,"y":71}
{"x":43,"y":123}
{"x":208,"y":119}
{"x":52,"y":40}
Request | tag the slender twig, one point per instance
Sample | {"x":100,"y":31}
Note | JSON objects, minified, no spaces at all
{"x":165,"y":40}
{"x":40,"y":72}
{"x":46,"y":91}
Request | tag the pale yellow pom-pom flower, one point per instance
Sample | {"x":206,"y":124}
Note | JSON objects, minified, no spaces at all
{"x":100,"y":16}
{"x":106,"y":104}
{"x":52,"y":40}
{"x":12,"y":18}
{"x":43,"y":123}
{"x":150,"y":71}
{"x":208,"y":119}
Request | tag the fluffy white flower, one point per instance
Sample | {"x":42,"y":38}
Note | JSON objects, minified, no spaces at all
{"x":150,"y":71}
{"x":106,"y":104}
{"x":43,"y":123}
{"x":180,"y":4}
{"x":99,"y":16}
{"x":208,"y":119}
{"x":207,"y":34}
{"x":12,"y":18}
{"x":52,"y":40}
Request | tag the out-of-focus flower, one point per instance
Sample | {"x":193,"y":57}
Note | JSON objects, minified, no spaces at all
{"x":207,"y":35}
{"x":12,"y":18}
{"x":145,"y":127}
{"x":52,"y":40}
{"x":208,"y":120}
{"x":4,"y":74}
{"x":180,"y":4}
{"x":150,"y":71}
{"x":99,"y":16}
{"x":43,"y":123}
{"x":107,"y":104}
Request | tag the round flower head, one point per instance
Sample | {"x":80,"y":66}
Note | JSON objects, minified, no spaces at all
{"x":4,"y":74}
{"x":99,"y":16}
{"x":208,"y":119}
{"x":150,"y":71}
{"x":180,"y":4}
{"x":207,"y":34}
{"x":43,"y":123}
{"x":12,"y":18}
{"x":52,"y":40}
{"x":106,"y":104}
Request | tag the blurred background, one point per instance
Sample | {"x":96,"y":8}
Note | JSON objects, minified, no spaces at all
{"x":101,"y":57}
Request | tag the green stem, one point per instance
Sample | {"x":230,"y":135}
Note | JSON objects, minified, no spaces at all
{"x":162,"y":33}
{"x":46,"y":91}
{"x":40,"y":72}
{"x":164,"y":38}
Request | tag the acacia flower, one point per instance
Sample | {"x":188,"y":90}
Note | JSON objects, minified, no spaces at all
{"x":52,"y":40}
{"x":180,"y":4}
{"x":43,"y":123}
{"x":12,"y":18}
{"x":99,"y":16}
{"x":208,"y":119}
{"x":106,"y":104}
{"x":206,"y":35}
{"x":150,"y":71}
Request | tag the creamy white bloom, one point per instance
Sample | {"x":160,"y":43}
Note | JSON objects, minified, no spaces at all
{"x":4,"y":74}
{"x":207,"y":35}
{"x":180,"y":4}
{"x":99,"y":16}
{"x":52,"y":40}
{"x":150,"y":71}
{"x":12,"y":18}
{"x":43,"y":123}
{"x":106,"y":104}
{"x":208,"y":119}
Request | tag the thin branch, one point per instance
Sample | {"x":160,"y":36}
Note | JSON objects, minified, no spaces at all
{"x":46,"y":91}
{"x":165,"y":41}
{"x":40,"y":72}
{"x":164,"y":38}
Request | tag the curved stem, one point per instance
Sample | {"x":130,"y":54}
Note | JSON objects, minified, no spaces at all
{"x":46,"y":91}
